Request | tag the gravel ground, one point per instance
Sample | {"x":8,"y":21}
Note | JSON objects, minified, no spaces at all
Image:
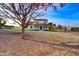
{"x":39,"y":44}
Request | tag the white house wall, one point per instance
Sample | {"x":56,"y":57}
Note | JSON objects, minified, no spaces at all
{"x":29,"y":28}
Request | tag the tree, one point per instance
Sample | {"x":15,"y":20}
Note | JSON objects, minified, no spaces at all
{"x":50,"y":26}
{"x":2,"y":22}
{"x":60,"y":26}
{"x":22,"y":13}
{"x":54,"y":25}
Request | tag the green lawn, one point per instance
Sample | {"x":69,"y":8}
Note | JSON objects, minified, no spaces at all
{"x":51,"y":30}
{"x":17,"y":29}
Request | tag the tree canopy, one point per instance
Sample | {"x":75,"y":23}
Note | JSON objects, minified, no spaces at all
{"x":22,"y":13}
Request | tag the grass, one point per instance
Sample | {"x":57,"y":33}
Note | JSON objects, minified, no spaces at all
{"x":17,"y":29}
{"x":12,"y":44}
{"x":32,"y":30}
{"x":50,"y":30}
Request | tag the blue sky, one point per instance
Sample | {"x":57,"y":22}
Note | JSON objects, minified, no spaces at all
{"x":68,"y":15}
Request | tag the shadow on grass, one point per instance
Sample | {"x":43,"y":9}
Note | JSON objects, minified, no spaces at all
{"x":29,"y":37}
{"x":61,"y":44}
{"x":70,"y":46}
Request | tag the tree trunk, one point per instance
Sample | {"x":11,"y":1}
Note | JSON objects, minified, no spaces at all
{"x":23,"y":29}
{"x":23,"y":32}
{"x":24,"y":25}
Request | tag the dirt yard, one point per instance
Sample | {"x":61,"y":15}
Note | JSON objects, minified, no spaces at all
{"x":40,"y":44}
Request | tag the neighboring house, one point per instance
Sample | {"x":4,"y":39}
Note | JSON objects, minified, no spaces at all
{"x":38,"y":24}
{"x":76,"y":28}
{"x":68,"y":28}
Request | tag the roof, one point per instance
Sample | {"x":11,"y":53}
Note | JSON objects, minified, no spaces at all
{"x":41,"y":19}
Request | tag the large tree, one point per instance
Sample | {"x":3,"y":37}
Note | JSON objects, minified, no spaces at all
{"x":22,"y":13}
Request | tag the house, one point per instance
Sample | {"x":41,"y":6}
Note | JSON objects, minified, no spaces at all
{"x":68,"y":28}
{"x":74,"y":28}
{"x":38,"y":24}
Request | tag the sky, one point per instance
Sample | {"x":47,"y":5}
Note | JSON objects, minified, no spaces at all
{"x":68,"y":15}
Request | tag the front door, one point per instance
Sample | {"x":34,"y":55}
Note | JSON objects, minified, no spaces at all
{"x":40,"y":27}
